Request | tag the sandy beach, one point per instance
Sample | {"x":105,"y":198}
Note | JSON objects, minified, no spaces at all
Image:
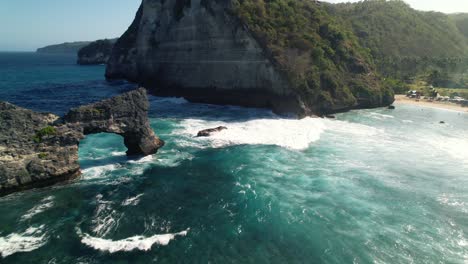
{"x":402,"y":99}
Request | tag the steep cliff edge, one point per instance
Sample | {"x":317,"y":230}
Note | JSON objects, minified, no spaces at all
{"x":288,"y":55}
{"x":97,"y":52}
{"x":38,"y":149}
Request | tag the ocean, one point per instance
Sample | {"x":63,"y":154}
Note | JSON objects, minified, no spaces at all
{"x":371,"y":186}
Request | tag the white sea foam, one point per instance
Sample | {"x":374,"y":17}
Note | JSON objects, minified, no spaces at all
{"x":132,"y":200}
{"x":145,"y":159}
{"x":129,"y":244}
{"x":172,"y":158}
{"x":118,"y":153}
{"x":379,"y":116}
{"x":105,"y":217}
{"x":31,"y":239}
{"x":98,"y":171}
{"x":289,"y":133}
{"x":45,"y":204}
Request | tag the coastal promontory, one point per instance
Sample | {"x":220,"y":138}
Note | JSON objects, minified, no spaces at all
{"x":289,"y":56}
{"x":40,"y":149}
{"x":97,"y":52}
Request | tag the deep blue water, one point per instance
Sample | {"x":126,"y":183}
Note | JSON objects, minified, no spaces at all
{"x":373,"y":186}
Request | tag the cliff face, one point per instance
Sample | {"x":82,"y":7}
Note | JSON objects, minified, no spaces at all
{"x":38,"y":149}
{"x":204,"y":51}
{"x":97,"y":52}
{"x":205,"y":55}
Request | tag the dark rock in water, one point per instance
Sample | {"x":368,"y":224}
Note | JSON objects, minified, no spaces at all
{"x":208,"y":132}
{"x":391,"y":107}
{"x":330,"y":116}
{"x":97,"y":52}
{"x":442,"y":122}
{"x":39,"y":149}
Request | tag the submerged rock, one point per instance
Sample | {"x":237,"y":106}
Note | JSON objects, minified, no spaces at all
{"x":392,"y":107}
{"x":208,"y":132}
{"x":40,"y":149}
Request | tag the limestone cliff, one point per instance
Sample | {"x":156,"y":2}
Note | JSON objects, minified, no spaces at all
{"x":38,"y":149}
{"x":97,"y":52}
{"x":210,"y":51}
{"x":203,"y":54}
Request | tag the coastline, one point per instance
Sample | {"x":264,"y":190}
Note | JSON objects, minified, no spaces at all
{"x":402,"y":99}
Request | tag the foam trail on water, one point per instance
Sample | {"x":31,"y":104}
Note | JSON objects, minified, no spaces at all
{"x":98,"y":171}
{"x":32,"y":239}
{"x":132,"y":200}
{"x":45,"y":204}
{"x":128,"y":244}
{"x":288,"y":133}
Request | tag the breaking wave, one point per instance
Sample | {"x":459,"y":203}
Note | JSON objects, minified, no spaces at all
{"x":31,"y":239}
{"x":288,"y":133}
{"x":132,"y":200}
{"x":128,"y":244}
{"x":45,"y":204}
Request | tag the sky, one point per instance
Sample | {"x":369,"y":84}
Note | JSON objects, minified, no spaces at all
{"x":26,"y":25}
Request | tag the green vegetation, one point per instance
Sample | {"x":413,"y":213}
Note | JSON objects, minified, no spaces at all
{"x":453,"y":92}
{"x":393,"y":29}
{"x":317,"y":53}
{"x":410,"y":45}
{"x":43,"y":155}
{"x":45,"y":132}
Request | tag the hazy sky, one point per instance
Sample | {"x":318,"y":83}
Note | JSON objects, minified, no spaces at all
{"x":30,"y":24}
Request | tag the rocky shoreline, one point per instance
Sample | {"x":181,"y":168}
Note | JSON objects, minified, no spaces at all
{"x":40,"y":149}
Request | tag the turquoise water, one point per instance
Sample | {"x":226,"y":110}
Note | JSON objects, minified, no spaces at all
{"x":373,"y":186}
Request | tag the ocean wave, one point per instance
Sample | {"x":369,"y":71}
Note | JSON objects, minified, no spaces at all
{"x":32,"y":239}
{"x":132,"y":200}
{"x":289,"y":133}
{"x":98,"y":171}
{"x":105,"y":218}
{"x":45,"y":204}
{"x":145,"y":159}
{"x":128,"y":244}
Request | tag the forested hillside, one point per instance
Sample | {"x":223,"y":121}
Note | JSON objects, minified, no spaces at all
{"x":320,"y":56}
{"x":407,"y":44}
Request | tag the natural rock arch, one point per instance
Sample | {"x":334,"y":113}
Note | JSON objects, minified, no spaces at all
{"x":38,"y":149}
{"x":125,"y":115}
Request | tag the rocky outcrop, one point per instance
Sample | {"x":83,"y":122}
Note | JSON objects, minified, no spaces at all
{"x":203,"y":51}
{"x":38,"y":149}
{"x":203,"y":54}
{"x":97,"y":52}
{"x":210,"y":131}
{"x":125,"y":115}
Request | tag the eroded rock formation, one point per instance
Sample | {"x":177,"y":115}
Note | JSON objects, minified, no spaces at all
{"x":97,"y":52}
{"x":203,"y":51}
{"x":38,"y":149}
